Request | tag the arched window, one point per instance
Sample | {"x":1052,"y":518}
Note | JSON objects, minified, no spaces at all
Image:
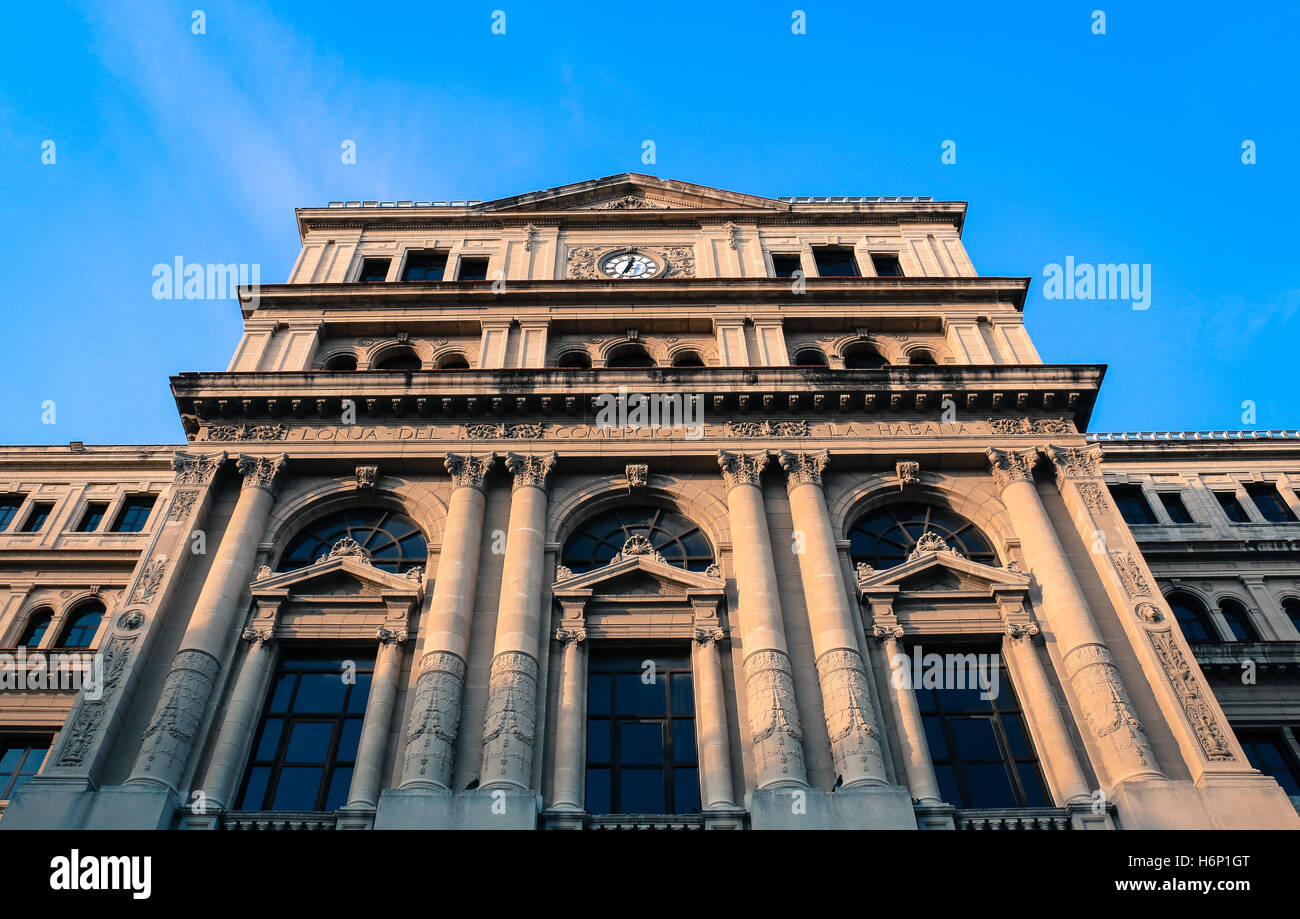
{"x":37,"y":625}
{"x":1238,"y":620}
{"x":810,"y":357}
{"x":399,"y":359}
{"x":391,"y":542}
{"x":687,"y":359}
{"x":82,"y":626}
{"x":1192,"y":617}
{"x":1291,"y":606}
{"x":574,"y":360}
{"x":453,"y":361}
{"x":862,"y":357}
{"x":341,"y":362}
{"x":920,"y":358}
{"x":887,"y":536}
{"x":630,"y":356}
{"x":602,"y":537}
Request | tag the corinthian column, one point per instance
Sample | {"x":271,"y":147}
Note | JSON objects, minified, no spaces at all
{"x":241,"y":718}
{"x":1089,"y":666}
{"x":439,"y":689}
{"x":846,"y":700}
{"x":511,"y":722}
{"x":769,"y":687}
{"x":169,"y":739}
{"x":367,"y":774}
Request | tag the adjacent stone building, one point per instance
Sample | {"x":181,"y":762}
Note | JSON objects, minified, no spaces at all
{"x":636,"y":503}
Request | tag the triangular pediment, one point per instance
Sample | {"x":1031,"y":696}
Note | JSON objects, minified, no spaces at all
{"x":630,"y":192}
{"x":943,"y":571}
{"x":337,"y":576}
{"x":639,"y":575}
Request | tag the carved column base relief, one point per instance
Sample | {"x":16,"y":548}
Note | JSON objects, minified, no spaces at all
{"x":435,"y":719}
{"x":511,"y":720}
{"x":1106,"y":707}
{"x":773,"y":717}
{"x":169,"y":738}
{"x":855,"y":741}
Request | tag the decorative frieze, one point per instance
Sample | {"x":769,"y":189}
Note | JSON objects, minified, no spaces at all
{"x":1191,"y":695}
{"x":511,"y":721}
{"x":767,"y":428}
{"x":150,"y":580}
{"x":1130,"y":573}
{"x":196,"y":469}
{"x":584,"y":261}
{"x":1010,"y":466}
{"x":468,"y":469}
{"x":773,"y":716}
{"x":741,"y":468}
{"x":803,"y":468}
{"x":504,"y":431}
{"x":435,"y":718}
{"x":182,"y":504}
{"x":1030,"y":426}
{"x":1093,"y":497}
{"x":529,"y":469}
{"x":261,"y":471}
{"x":232,"y":432}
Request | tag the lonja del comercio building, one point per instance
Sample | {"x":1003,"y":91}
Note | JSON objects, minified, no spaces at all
{"x":635,"y":503}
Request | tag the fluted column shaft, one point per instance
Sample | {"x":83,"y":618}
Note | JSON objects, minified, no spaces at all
{"x":368,"y":771}
{"x":440,"y":687}
{"x":169,"y":739}
{"x":769,"y":686}
{"x":571,"y":722}
{"x":846,"y":697}
{"x":1089,"y":665}
{"x":511,"y":723}
{"x":716,"y":785}
{"x":240,"y":725}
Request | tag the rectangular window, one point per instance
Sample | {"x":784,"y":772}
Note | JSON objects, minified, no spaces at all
{"x":425,"y":265}
{"x":374,"y":270}
{"x":835,"y":262}
{"x":641,"y":755}
{"x":134,"y":514}
{"x":36,"y":519}
{"x":20,"y":759}
{"x":886,"y":265}
{"x":1268,"y":750}
{"x":784,"y":266}
{"x":982,"y":753}
{"x":91,"y":519}
{"x":1132,"y":503}
{"x":1175,"y":508}
{"x":9,"y":505}
{"x":307,"y":741}
{"x":473,"y":269}
{"x":1232,"y":507}
{"x":1271,"y":506}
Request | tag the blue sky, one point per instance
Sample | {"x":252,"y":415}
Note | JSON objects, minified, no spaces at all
{"x":1123,"y":147}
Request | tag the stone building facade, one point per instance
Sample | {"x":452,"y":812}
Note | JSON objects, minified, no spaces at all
{"x":641,"y":503}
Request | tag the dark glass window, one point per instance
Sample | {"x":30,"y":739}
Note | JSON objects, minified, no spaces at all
{"x":1268,"y":751}
{"x":374,"y":270}
{"x":36,"y":519}
{"x":834,"y":262}
{"x":473,"y":269}
{"x":810,"y":357}
{"x":574,"y":360}
{"x":453,"y":361}
{"x":388,"y":539}
{"x":341,"y":362}
{"x":1192,"y":617}
{"x":641,"y":753}
{"x":1271,"y":506}
{"x":82,"y":626}
{"x":887,"y":535}
{"x":9,"y":505}
{"x":1232,"y":507}
{"x":982,"y":753}
{"x":1238,"y":620}
{"x":687,"y":359}
{"x":37,"y":626}
{"x":1291,"y":607}
{"x":20,"y":759}
{"x":424,"y":265}
{"x":1175,"y":508}
{"x":91,"y":519}
{"x":400,"y":359}
{"x":134,"y":514}
{"x":863,"y":357}
{"x":599,"y":539}
{"x":886,"y":266}
{"x":1132,"y":503}
{"x":921,"y":358}
{"x":784,"y":266}
{"x":630,"y":356}
{"x":306,"y":745}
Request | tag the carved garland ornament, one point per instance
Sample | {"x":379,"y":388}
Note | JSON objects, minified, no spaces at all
{"x":181,"y":707}
{"x":85,"y":722}
{"x":182,"y":504}
{"x":229,"y":432}
{"x":511,"y":720}
{"x":1130,"y":574}
{"x":767,"y":428}
{"x":855,"y":741}
{"x":773,"y":717}
{"x":150,"y":580}
{"x":1191,"y":697}
{"x":677,"y":261}
{"x":1029,"y":425}
{"x":504,"y":431}
{"x":435,"y":717}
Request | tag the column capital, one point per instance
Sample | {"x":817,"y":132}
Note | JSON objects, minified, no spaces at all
{"x":530,"y":468}
{"x":1010,"y":466}
{"x":259,"y":634}
{"x":803,"y":468}
{"x":395,"y":635}
{"x":468,"y":469}
{"x":741,"y":468}
{"x":887,"y":632}
{"x":1018,"y":630}
{"x":569,"y":636}
{"x":1075,"y":462}
{"x":196,"y":469}
{"x":261,"y":471}
{"x":706,"y":635}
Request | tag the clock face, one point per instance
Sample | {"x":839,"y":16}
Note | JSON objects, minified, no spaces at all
{"x":629,"y":265}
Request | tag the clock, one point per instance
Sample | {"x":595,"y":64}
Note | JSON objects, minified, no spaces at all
{"x":629,"y":264}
